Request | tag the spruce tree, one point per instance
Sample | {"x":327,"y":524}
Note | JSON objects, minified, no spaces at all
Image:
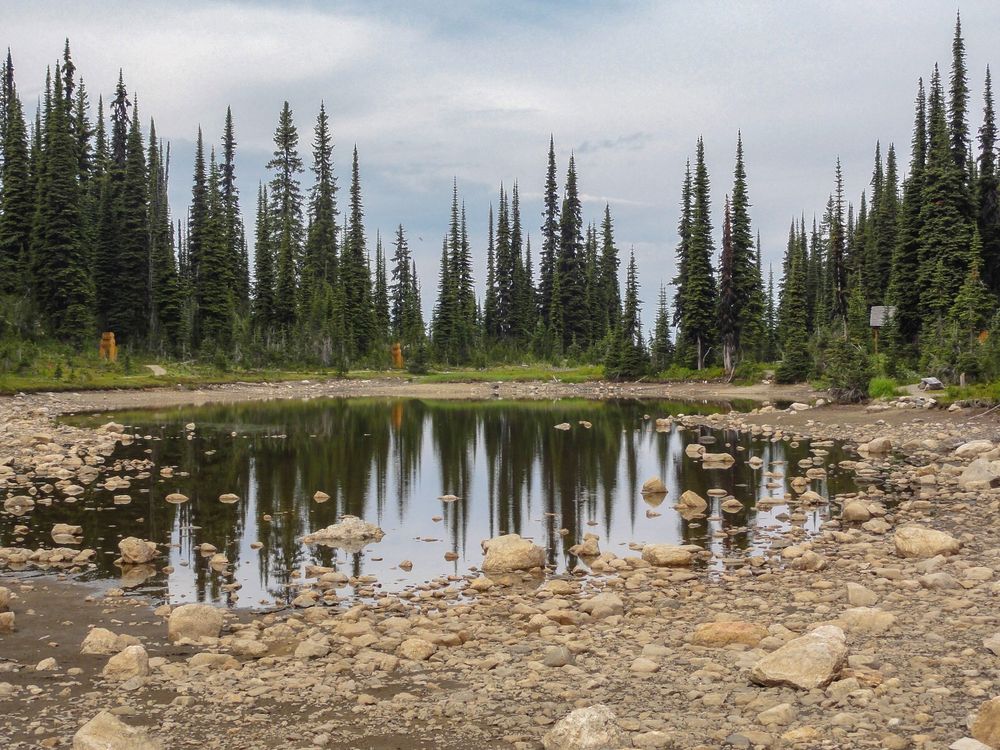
{"x":107,"y":261}
{"x":264,"y":281}
{"x":322,"y":252}
{"x":661,"y":348}
{"x":626,"y":358}
{"x":944,"y":231}
{"x":354,"y":275}
{"x":286,"y":217}
{"x":974,"y":305}
{"x":795,"y":360}
{"x":837,"y":250}
{"x":728,"y":296}
{"x":128,"y":304}
{"x":214,"y":291}
{"x":958,"y":129}
{"x":697,"y":290}
{"x":987,"y":198}
{"x":63,"y":284}
{"x":381,"y":293}
{"x":747,"y":310}
{"x":550,"y":237}
{"x":609,"y":300}
{"x":166,"y":308}
{"x":232,"y":217}
{"x":490,"y":304}
{"x":17,"y":197}
{"x":902,"y":293}
{"x":574,"y":328}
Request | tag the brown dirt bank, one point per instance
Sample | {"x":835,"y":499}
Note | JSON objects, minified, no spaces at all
{"x":394,"y":387}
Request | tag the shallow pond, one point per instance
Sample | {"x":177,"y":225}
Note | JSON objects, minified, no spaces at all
{"x":389,"y":462}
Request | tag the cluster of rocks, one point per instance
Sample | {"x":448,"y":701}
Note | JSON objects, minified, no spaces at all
{"x":877,"y":631}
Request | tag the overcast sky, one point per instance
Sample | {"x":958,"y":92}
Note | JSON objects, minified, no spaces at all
{"x":431,"y":91}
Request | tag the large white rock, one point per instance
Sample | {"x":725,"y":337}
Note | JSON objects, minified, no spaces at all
{"x":806,"y":662}
{"x":510,"y":552}
{"x":919,"y":541}
{"x":193,"y":622}
{"x":593,"y":728}
{"x":986,"y":724}
{"x":103,"y":641}
{"x":132,"y":662}
{"x":136,"y":551}
{"x":666,"y":555}
{"x":973,"y":448}
{"x":107,"y":732}
{"x":350,"y":534}
{"x":981,"y":474}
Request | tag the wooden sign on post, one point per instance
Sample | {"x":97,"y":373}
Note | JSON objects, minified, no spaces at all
{"x":108,"y":349}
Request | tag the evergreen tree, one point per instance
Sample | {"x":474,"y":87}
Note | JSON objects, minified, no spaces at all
{"x":214,"y":291}
{"x":902,"y":292}
{"x":404,"y":296}
{"x":107,"y":260}
{"x":127,"y":309}
{"x":550,"y":237}
{"x":232,"y":218}
{"x":609,"y":299}
{"x":322,"y":252}
{"x":63,"y":285}
{"x":286,"y":217}
{"x":795,"y":360}
{"x":958,"y":129}
{"x":17,"y":197}
{"x":263,"y":261}
{"x":836,"y":252}
{"x":166,"y":308}
{"x":944,"y":231}
{"x":988,"y":200}
{"x":504,"y":320}
{"x":697,"y":291}
{"x":524,"y":291}
{"x":661,"y":347}
{"x":490,"y":304}
{"x":381,"y":293}
{"x":728,"y":304}
{"x":747,"y":309}
{"x":974,"y":305}
{"x":573,"y":317}
{"x":626,"y":358}
{"x":354,"y":275}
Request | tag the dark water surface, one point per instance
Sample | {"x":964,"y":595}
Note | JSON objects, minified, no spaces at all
{"x":389,"y":461}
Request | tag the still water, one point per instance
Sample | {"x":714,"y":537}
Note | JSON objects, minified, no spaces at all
{"x":389,"y":462}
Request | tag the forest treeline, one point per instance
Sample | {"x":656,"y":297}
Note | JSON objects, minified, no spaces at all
{"x":89,"y":243}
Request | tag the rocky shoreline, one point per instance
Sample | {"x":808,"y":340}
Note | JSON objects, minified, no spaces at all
{"x":880,"y":631}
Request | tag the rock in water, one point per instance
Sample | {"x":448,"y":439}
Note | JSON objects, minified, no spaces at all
{"x":986,"y":725}
{"x":194,"y":621}
{"x":229,"y":498}
{"x":510,"y":552}
{"x":807,"y":662}
{"x":654,"y":486}
{"x":666,"y":555}
{"x":350,"y":534}
{"x":107,"y":732}
{"x":692,"y":502}
{"x":593,"y":728}
{"x":717,"y":460}
{"x":588,"y":548}
{"x":919,"y":541}
{"x":136,"y":551}
{"x":176,"y":498}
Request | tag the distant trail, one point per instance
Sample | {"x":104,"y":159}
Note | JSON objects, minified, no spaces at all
{"x":157,"y":370}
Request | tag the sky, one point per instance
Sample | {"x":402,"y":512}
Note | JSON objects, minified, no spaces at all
{"x":432,"y":92}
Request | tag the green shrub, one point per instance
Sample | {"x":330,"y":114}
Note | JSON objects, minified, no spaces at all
{"x":849,"y":369}
{"x":879,"y":387}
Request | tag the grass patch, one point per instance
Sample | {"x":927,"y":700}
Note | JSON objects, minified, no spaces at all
{"x":679,"y":373}
{"x":986,"y":393}
{"x":516,"y":374}
{"x":879,"y":387}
